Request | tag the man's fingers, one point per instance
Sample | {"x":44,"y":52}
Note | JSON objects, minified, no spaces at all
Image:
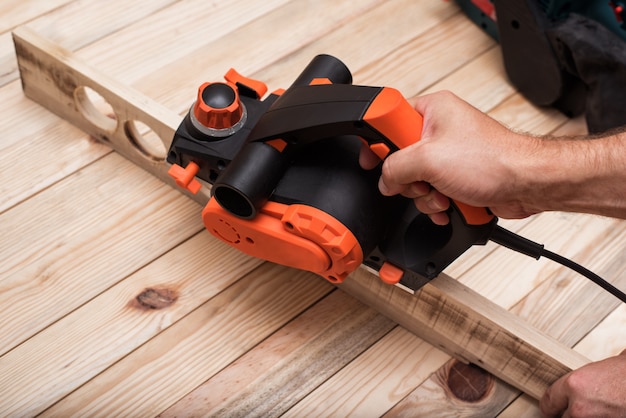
{"x":432,"y":202}
{"x":390,"y":189}
{"x":367,"y":159}
{"x":403,"y":166}
{"x":419,"y":103}
{"x":440,"y":218}
{"x":555,"y":400}
{"x":417,"y":189}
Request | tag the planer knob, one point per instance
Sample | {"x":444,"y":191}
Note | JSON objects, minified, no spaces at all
{"x":218,"y":108}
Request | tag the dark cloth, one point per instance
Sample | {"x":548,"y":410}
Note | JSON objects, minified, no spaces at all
{"x":595,"y":55}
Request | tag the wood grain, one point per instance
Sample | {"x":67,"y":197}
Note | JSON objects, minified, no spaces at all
{"x":71,"y":350}
{"x":446,"y":314}
{"x":186,"y":354}
{"x":107,"y":282}
{"x":115,"y":95}
{"x":16,"y":12}
{"x":276,"y":374}
{"x":386,"y":372}
{"x":612,"y":330}
{"x":62,"y":265}
{"x":60,"y":24}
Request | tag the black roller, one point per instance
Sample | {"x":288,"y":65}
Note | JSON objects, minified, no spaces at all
{"x":249,"y":180}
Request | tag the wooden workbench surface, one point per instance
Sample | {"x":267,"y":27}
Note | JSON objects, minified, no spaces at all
{"x":114,"y":300}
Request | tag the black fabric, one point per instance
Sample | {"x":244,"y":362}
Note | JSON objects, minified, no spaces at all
{"x":591,"y":52}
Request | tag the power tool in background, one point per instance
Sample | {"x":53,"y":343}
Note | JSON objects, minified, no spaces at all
{"x":569,"y":54}
{"x":287,"y":186}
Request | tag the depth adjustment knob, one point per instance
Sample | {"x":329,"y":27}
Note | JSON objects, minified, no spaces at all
{"x":218,"y":110}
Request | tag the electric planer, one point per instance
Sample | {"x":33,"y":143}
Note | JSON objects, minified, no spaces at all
{"x":287,"y":186}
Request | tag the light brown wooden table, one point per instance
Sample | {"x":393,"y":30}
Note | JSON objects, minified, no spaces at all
{"x":115,"y":302}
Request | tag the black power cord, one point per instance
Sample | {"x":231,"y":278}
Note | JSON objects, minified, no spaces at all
{"x":522,"y":245}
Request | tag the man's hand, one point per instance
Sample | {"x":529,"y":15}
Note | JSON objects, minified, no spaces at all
{"x":465,"y":155}
{"x":595,"y":390}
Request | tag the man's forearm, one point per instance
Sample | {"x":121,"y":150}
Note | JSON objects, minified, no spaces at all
{"x":580,"y":175}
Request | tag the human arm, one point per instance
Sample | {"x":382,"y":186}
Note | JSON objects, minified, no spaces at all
{"x":466,"y":155}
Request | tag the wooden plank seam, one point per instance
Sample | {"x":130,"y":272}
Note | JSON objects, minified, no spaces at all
{"x":445,"y":313}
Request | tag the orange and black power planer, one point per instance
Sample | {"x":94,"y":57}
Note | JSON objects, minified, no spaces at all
{"x":287,"y":186}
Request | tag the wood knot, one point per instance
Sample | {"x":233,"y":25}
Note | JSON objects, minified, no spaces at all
{"x":469,"y":382}
{"x":156,"y":298}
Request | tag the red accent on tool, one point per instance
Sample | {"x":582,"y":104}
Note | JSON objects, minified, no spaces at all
{"x":487,"y":7}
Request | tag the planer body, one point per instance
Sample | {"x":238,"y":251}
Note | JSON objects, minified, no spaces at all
{"x":287,"y":186}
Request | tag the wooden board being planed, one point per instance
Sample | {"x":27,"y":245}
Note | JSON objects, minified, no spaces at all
{"x":117,"y":302}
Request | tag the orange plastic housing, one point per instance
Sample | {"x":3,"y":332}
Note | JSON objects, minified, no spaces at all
{"x":259,"y":87}
{"x":395,"y":118}
{"x":297,"y":236}
{"x":185,"y":177}
{"x":474,"y":215}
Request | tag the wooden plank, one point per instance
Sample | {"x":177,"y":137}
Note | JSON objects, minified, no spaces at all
{"x":15,"y":12}
{"x":444,"y":313}
{"x":280,"y":371}
{"x":425,"y":63}
{"x":578,"y":305}
{"x":517,"y":113}
{"x":92,"y":19}
{"x":68,"y":353}
{"x":487,"y":71}
{"x":385,"y":372}
{"x":334,"y":22}
{"x":62,"y":264}
{"x":611,"y":330}
{"x":471,"y":328}
{"x":176,"y":361}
